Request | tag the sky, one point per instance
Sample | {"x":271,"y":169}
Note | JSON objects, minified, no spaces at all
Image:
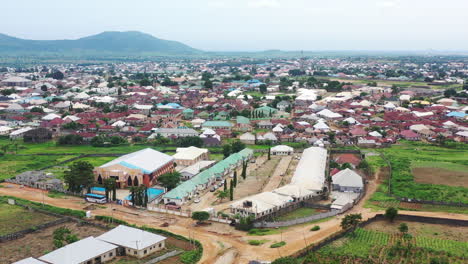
{"x":251,"y":25}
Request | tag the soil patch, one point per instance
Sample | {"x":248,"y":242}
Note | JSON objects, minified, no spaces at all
{"x":441,"y":176}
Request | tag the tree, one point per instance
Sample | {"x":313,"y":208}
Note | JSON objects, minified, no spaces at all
{"x":450,"y":92}
{"x":403,"y":228}
{"x":119,"y":91}
{"x":244,"y":169}
{"x":222,"y":194}
{"x":237,"y":146}
{"x":226,"y":150}
{"x":79,"y":175}
{"x":225,"y":185}
{"x":234,"y":179}
{"x":57,"y":75}
{"x":208,"y":84}
{"x":391,"y":213}
{"x":44,"y":88}
{"x":145,"y":82}
{"x":263,"y":88}
{"x":200,"y":216}
{"x":351,"y":221}
{"x":170,"y":180}
{"x":269,"y":153}
{"x":231,"y":191}
{"x":36,"y":110}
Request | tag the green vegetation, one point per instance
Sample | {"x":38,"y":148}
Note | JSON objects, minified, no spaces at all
{"x":315,"y":228}
{"x":297,"y":213}
{"x":14,"y":218}
{"x":45,"y":207}
{"x":257,"y":242}
{"x":364,"y":243}
{"x":278,"y":244}
{"x":12,"y":165}
{"x":407,"y":155}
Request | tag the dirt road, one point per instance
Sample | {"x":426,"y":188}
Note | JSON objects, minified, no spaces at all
{"x":215,"y":237}
{"x":278,"y":174}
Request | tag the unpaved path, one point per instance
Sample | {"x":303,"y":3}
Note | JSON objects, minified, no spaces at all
{"x":296,"y":237}
{"x":278,"y":174}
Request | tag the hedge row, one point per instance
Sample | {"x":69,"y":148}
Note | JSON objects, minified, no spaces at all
{"x":46,"y":207}
{"x":188,"y":257}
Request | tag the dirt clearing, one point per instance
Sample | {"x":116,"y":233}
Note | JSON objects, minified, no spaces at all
{"x":441,"y":176}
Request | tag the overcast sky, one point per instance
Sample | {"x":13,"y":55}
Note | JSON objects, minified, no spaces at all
{"x":246,"y":25}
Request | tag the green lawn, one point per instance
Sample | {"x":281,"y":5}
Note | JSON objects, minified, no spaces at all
{"x":298,"y":213}
{"x":14,"y":218}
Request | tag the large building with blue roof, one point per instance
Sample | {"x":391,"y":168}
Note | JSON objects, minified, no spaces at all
{"x":140,"y":167}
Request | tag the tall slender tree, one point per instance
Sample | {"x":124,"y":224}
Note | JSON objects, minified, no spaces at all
{"x":231,"y":191}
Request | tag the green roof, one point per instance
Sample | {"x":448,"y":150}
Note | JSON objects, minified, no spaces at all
{"x":203,"y":177}
{"x":187,"y":110}
{"x":242,"y":120}
{"x":217,"y":124}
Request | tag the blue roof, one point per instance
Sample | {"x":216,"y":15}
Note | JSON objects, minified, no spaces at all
{"x":98,"y":189}
{"x":153,"y":193}
{"x":456,"y":114}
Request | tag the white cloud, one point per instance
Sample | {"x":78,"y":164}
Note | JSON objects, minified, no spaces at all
{"x":263,"y":4}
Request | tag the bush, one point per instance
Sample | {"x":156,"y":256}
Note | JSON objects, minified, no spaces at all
{"x":315,"y":228}
{"x":286,"y":260}
{"x":46,"y":207}
{"x":256,"y":242}
{"x":278,"y":244}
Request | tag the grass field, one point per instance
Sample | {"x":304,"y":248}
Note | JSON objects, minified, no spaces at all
{"x":298,"y":213}
{"x":14,"y":218}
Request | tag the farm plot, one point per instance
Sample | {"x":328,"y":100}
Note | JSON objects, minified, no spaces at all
{"x":383,"y":247}
{"x":14,"y":218}
{"x":445,"y":173}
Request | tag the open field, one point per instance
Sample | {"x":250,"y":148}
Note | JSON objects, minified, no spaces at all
{"x":367,"y":245}
{"x":11,"y":165}
{"x":447,"y":185}
{"x":451,"y":174}
{"x":41,"y":242}
{"x":15,"y":218}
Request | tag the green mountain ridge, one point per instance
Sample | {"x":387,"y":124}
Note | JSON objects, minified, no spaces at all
{"x":129,"y":42}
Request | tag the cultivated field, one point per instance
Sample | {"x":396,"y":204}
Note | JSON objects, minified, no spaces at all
{"x":422,"y":171}
{"x":380,"y":242}
{"x":14,"y":218}
{"x":451,"y":174}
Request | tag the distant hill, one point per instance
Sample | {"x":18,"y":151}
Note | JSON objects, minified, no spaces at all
{"x":130,"y":42}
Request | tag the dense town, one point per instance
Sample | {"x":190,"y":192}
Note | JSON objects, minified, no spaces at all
{"x":222,"y":148}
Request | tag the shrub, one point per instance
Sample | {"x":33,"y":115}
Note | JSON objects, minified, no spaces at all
{"x":189,"y":257}
{"x":315,"y":228}
{"x":256,"y":242}
{"x":278,"y":244}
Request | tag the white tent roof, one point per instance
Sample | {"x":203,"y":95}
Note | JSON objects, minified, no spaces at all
{"x":189,"y":153}
{"x":310,"y":171}
{"x":50,"y":117}
{"x":282,"y":148}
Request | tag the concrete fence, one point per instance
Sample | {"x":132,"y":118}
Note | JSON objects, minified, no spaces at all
{"x":185,"y":214}
{"x":163,"y":257}
{"x":298,"y":220}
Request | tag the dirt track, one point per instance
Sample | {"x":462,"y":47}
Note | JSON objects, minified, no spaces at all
{"x":296,"y":237}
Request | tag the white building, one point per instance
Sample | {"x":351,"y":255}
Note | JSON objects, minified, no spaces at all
{"x":282,"y":150}
{"x":133,"y":241}
{"x":189,"y":156}
{"x":86,"y":251}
